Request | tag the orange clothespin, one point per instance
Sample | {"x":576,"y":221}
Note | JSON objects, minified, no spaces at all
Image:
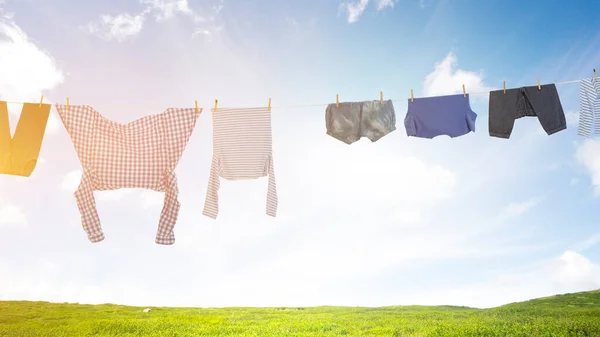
{"x":67,"y":103}
{"x":464,"y":91}
{"x":216,"y":103}
{"x":412,"y":97}
{"x":197,"y":110}
{"x":539,"y":85}
{"x":269,"y":107}
{"x":337,"y":100}
{"x":505,"y":87}
{"x":381,"y":97}
{"x":595,"y":77}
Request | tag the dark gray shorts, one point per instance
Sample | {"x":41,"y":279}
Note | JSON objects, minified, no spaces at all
{"x":504,"y":109}
{"x":353,"y":120}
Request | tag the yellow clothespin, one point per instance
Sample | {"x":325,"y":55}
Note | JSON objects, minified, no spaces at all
{"x":381,"y":97}
{"x":216,"y":103}
{"x":269,"y":107}
{"x":412,"y":97}
{"x":464,"y":91}
{"x":41,"y":100}
{"x":595,"y":77}
{"x":337,"y":101}
{"x":67,"y":103}
{"x":539,"y":85}
{"x":505,"y":87}
{"x":196,"y":102}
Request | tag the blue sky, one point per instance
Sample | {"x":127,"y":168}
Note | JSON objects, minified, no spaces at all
{"x":474,"y":221}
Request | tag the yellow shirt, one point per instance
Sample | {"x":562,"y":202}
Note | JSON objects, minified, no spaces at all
{"x":19,"y":154}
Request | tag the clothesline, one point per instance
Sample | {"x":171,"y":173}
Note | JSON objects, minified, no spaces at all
{"x":141,"y":154}
{"x":288,"y":106}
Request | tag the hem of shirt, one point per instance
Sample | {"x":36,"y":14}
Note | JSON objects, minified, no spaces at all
{"x":560,"y":128}
{"x":96,"y":237}
{"x":586,"y":134}
{"x":210,"y":215}
{"x":461,"y":134}
{"x":164,"y":240}
{"x":499,"y":135}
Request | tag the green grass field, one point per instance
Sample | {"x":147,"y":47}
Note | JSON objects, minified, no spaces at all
{"x":564,"y":315}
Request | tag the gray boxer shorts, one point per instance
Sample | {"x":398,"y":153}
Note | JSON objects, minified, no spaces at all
{"x":353,"y":120}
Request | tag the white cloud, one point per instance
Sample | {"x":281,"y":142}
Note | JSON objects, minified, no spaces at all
{"x":382,"y":4}
{"x":354,"y":9}
{"x":42,"y":280}
{"x":27,"y":71}
{"x":574,"y":270}
{"x":570,"y":272}
{"x":125,"y":26}
{"x":290,"y":280}
{"x":166,"y":9}
{"x":201,"y":32}
{"x":572,"y":118}
{"x":119,"y":27}
{"x":206,"y":33}
{"x":150,"y":198}
{"x":519,"y":208}
{"x":588,"y":155}
{"x":409,"y":182}
{"x":11,"y":215}
{"x":588,"y":243}
{"x":407,"y":216}
{"x":71,"y":181}
{"x":113,"y":195}
{"x":446,"y":79}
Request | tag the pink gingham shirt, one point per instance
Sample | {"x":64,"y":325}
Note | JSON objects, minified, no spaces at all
{"x":139,"y":154}
{"x":242,"y":149}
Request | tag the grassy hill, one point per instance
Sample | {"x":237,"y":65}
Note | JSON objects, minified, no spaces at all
{"x":575,"y":314}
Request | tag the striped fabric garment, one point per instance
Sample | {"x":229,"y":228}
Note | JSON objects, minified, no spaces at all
{"x":589,"y":107}
{"x":242,"y":149}
{"x":139,"y":154}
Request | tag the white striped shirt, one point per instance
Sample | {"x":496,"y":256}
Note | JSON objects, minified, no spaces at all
{"x":589,"y":107}
{"x":242,"y":149}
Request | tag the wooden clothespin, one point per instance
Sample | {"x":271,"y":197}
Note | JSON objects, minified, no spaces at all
{"x":196,"y":102}
{"x":41,"y":100}
{"x":216,"y":103}
{"x":595,"y":77}
{"x":337,"y":100}
{"x":505,"y":87}
{"x":464,"y":91}
{"x":381,"y":97}
{"x":412,"y":97}
{"x":269,"y":107}
{"x":67,"y":103}
{"x":539,"y":85}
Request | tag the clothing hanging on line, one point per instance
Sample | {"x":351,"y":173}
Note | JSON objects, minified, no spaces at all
{"x":19,"y":154}
{"x":139,"y":154}
{"x":449,"y":115}
{"x":351,"y":121}
{"x":242,"y":149}
{"x":589,"y":107}
{"x":505,"y":108}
